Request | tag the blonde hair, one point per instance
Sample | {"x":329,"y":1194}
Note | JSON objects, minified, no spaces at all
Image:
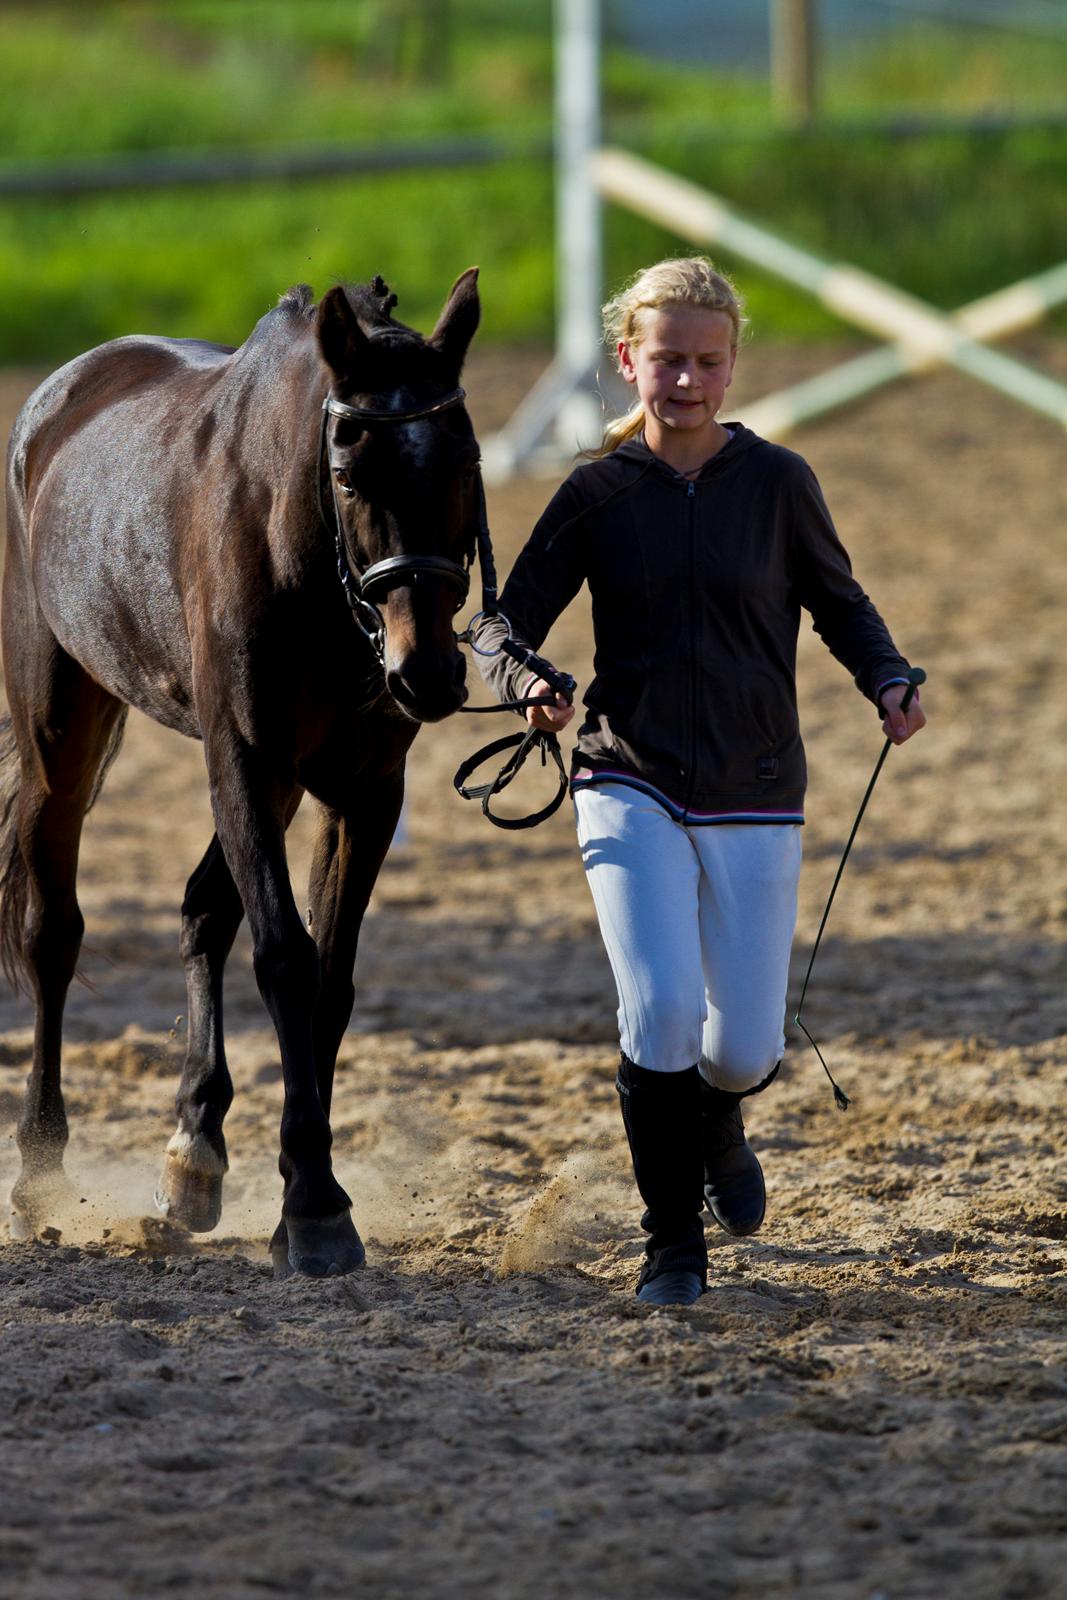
{"x":685,"y":281}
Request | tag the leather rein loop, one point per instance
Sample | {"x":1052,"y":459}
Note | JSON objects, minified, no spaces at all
{"x":523,"y":745}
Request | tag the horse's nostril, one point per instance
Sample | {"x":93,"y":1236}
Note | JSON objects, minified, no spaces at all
{"x":428,"y":696}
{"x":394,"y":682}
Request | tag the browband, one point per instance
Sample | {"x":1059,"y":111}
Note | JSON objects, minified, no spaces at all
{"x":338,"y":408}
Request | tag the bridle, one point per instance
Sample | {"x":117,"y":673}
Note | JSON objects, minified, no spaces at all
{"x":361,"y":587}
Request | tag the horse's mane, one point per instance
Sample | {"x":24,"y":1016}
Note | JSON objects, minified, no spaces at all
{"x":372,"y":303}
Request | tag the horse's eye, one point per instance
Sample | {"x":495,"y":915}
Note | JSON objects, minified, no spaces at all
{"x":343,"y":483}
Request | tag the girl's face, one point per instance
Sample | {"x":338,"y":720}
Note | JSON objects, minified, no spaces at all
{"x":682,"y":366}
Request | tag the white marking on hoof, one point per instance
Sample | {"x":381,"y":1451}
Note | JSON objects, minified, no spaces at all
{"x":196,"y":1154}
{"x":20,"y":1227}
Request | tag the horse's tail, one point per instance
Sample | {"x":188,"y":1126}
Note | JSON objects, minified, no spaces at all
{"x":14,"y":879}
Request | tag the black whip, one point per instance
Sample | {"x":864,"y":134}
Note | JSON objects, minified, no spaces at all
{"x":916,"y":675}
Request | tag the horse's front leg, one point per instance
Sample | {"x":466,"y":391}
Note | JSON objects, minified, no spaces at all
{"x":349,"y":850}
{"x":250,"y":802}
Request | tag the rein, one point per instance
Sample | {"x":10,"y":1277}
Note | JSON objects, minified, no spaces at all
{"x":360,"y":588}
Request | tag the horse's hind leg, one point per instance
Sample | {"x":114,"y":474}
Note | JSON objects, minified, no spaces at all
{"x":68,"y":730}
{"x":190,"y":1189}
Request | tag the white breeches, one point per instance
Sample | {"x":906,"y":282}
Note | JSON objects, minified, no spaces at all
{"x":697,"y":923}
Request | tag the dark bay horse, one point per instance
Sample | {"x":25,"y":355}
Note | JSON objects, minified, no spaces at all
{"x":180,"y":516}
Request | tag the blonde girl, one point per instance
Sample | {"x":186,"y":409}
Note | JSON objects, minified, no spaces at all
{"x":701,"y":544}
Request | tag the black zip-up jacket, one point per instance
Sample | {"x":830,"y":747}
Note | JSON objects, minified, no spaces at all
{"x":697,"y":587}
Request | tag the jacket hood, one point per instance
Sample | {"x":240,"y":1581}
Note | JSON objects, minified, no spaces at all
{"x":740,"y":440}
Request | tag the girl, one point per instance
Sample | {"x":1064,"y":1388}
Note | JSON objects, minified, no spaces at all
{"x":700,"y":543}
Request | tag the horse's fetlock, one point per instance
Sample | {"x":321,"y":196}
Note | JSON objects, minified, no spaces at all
{"x":42,"y":1147}
{"x":306,"y":1139}
{"x":315,"y":1195}
{"x":203,"y":1100}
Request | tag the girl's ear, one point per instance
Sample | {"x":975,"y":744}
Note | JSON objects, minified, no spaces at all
{"x":343,"y":343}
{"x":626,"y":362}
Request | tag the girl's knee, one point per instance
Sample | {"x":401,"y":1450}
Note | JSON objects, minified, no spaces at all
{"x":742,"y":1072}
{"x":663,"y":1037}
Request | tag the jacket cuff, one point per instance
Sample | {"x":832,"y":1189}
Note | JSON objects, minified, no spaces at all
{"x":887,"y":683}
{"x":878,"y":675}
{"x":499,"y":670}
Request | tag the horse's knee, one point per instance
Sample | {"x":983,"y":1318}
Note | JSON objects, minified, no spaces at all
{"x":287,"y":968}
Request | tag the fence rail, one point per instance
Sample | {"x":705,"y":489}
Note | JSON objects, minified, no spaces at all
{"x":156,"y":170}
{"x":925,"y":336}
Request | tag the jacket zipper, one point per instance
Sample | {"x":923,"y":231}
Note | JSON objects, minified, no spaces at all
{"x":691,"y":774}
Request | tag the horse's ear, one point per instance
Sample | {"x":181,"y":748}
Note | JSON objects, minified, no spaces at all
{"x":459,"y":319}
{"x":341,"y":339}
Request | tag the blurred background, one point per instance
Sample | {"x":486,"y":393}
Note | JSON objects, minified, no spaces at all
{"x":172,"y":166}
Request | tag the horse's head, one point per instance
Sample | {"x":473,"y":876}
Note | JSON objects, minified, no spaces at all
{"x":402,"y":462}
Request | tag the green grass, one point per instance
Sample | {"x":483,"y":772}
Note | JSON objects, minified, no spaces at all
{"x":949,"y":216}
{"x":210,"y":264}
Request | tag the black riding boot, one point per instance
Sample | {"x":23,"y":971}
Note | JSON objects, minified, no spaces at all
{"x":733,"y":1178}
{"x":661,"y":1114}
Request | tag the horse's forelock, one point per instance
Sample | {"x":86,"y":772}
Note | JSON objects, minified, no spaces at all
{"x":373,"y":305}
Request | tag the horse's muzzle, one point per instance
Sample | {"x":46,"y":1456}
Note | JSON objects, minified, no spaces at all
{"x":427,"y":688}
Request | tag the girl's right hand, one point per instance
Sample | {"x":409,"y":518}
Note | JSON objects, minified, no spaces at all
{"x":550,"y":719}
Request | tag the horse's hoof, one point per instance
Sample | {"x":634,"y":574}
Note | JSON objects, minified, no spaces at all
{"x":279,"y":1253}
{"x":192,"y":1199}
{"x":326,"y":1247}
{"x":38,"y":1201}
{"x":21,"y":1227}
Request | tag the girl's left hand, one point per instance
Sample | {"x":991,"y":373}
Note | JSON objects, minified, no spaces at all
{"x":896,"y":724}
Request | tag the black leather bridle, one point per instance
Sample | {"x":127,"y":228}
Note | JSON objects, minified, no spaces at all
{"x":360,"y":587}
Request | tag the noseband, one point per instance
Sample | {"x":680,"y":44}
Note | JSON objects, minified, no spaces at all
{"x":360,"y":587}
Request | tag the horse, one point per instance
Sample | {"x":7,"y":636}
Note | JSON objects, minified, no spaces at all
{"x":263,"y":548}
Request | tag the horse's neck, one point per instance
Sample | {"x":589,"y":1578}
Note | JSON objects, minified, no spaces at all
{"x":279,"y":384}
{"x":277,"y":388}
